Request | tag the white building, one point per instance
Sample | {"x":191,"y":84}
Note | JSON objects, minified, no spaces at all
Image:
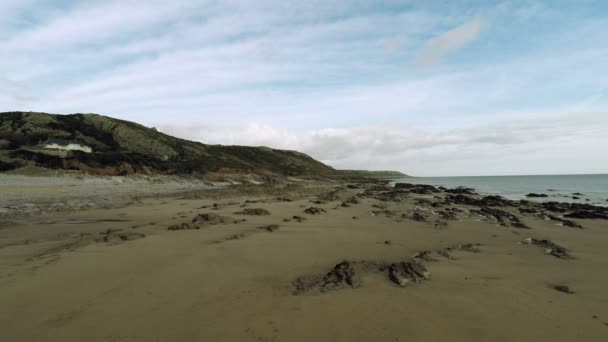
{"x":66,"y":145}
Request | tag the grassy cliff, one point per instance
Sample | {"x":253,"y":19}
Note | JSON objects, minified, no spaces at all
{"x":123,"y":147}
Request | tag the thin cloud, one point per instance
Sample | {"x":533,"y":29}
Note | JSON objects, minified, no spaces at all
{"x":451,"y":40}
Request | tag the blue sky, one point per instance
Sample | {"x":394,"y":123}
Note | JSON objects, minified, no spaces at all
{"x":429,"y":88}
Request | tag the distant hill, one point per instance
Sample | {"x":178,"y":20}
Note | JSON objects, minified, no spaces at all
{"x":102,"y":145}
{"x":375,"y":174}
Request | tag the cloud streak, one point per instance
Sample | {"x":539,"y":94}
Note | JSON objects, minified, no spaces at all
{"x":449,"y":41}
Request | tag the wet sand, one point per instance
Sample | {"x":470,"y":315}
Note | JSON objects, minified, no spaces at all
{"x":119,"y":274}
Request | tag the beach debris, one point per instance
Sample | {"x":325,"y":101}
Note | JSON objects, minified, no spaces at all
{"x":406,"y":272}
{"x":550,"y":247}
{"x":314,"y":211}
{"x":253,"y":212}
{"x":270,"y":227}
{"x":562,"y":288}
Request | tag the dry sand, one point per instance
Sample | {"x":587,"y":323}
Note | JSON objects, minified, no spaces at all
{"x":63,"y":277}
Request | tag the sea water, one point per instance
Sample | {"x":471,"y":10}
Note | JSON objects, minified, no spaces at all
{"x":560,"y":188}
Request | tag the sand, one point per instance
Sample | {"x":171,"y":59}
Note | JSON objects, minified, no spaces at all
{"x":70,"y":276}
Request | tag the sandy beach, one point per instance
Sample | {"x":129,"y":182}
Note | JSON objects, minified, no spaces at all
{"x":305,"y":261}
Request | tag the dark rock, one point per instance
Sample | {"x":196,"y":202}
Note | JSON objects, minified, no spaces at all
{"x":587,"y":214}
{"x":440,"y":224}
{"x":403,"y":273}
{"x":417,"y":216}
{"x":116,"y":235}
{"x":550,"y":247}
{"x":536,"y":195}
{"x":254,"y":211}
{"x":270,"y":228}
{"x":489,"y":201}
{"x":209,"y":219}
{"x":574,"y":197}
{"x":460,"y":190}
{"x":469,"y":247}
{"x":564,"y":222}
{"x":314,"y":211}
{"x":342,"y":275}
{"x":424,"y":256}
{"x":503,"y":218}
{"x":184,"y":226}
{"x":449,"y":213}
{"x":577,"y":194}
{"x":562,"y":288}
{"x":404,"y":186}
{"x":299,"y":218}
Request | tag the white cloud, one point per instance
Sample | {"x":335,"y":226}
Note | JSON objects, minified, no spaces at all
{"x":453,"y":39}
{"x":497,"y":148}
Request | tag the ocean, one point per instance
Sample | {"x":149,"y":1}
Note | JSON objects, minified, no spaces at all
{"x":560,"y":188}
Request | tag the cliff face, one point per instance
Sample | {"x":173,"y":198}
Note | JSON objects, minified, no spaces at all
{"x":123,"y":147}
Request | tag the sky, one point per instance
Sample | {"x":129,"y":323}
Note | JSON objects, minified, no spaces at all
{"x":430,"y":88}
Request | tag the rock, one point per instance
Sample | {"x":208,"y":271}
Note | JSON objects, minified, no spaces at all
{"x":424,"y":256}
{"x":422,"y":189}
{"x":184,"y":226}
{"x":253,"y":211}
{"x":403,"y":273}
{"x":117,"y":235}
{"x":536,"y":195}
{"x":562,"y":288}
{"x":461,"y":190}
{"x":342,"y":275}
{"x":270,"y":228}
{"x":550,"y":247}
{"x":127,"y":236}
{"x":469,"y":247}
{"x":489,"y":201}
{"x":417,"y":216}
{"x":587,"y":214}
{"x":566,"y":223}
{"x":209,"y":219}
{"x":404,"y":186}
{"x":440,"y":224}
{"x":314,"y":211}
{"x":504,"y":218}
{"x":577,"y":194}
{"x":299,"y":218}
{"x":449,"y":213}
